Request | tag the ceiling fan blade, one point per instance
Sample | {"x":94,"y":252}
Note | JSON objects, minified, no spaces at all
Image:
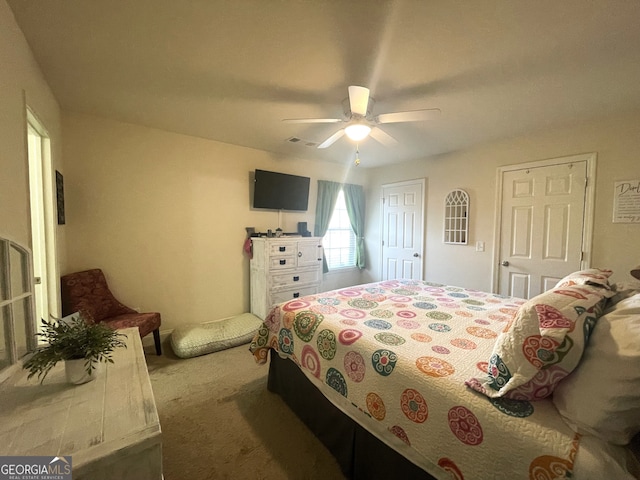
{"x":358,"y":100}
{"x":312,"y":120}
{"x":410,"y":116}
{"x":329,"y":141}
{"x":383,"y":137}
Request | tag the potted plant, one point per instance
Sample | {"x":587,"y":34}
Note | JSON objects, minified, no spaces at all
{"x":81,"y":345}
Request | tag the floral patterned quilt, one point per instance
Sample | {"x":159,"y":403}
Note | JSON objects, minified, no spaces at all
{"x":395,"y":356}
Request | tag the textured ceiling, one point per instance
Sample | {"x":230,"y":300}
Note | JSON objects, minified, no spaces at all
{"x":232,"y":70}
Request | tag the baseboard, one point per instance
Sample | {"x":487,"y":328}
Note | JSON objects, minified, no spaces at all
{"x":164,"y":335}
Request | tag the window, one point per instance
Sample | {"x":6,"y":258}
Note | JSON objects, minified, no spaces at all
{"x":16,"y":296}
{"x":340,"y":242}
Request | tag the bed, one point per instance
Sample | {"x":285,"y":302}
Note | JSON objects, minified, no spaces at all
{"x":415,"y":379}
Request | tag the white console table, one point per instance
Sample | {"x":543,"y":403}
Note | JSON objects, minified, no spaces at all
{"x":109,"y":426}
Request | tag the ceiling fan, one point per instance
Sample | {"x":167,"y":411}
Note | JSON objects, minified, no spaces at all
{"x":360,"y":121}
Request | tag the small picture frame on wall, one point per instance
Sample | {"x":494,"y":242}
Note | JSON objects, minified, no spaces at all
{"x":60,"y":197}
{"x":626,"y":201}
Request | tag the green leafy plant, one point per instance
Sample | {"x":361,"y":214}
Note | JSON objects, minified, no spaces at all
{"x":73,"y":339}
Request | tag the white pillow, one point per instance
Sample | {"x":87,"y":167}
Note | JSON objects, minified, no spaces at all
{"x":602,"y":395}
{"x":624,"y":290}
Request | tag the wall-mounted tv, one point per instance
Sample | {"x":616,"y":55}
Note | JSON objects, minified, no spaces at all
{"x":280,"y":191}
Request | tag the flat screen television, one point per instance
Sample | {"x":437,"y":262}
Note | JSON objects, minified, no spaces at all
{"x":280,"y":191}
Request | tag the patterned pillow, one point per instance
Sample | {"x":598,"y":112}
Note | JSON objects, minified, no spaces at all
{"x":543,"y":344}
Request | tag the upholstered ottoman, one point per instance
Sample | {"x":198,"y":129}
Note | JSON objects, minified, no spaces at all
{"x":197,"y":339}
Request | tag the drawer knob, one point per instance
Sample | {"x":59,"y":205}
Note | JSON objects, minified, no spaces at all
{"x":296,"y":295}
{"x":282,"y":249}
{"x":299,"y":254}
{"x":296,"y":278}
{"x":283,"y":262}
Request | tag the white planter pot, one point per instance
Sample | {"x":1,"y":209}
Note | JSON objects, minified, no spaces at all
{"x":76,"y":371}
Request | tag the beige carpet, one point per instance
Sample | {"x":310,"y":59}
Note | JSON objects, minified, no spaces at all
{"x":219,"y":421}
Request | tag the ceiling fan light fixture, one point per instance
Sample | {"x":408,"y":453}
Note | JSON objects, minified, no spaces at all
{"x":357,"y":131}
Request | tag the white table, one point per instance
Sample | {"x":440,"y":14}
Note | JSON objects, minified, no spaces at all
{"x":109,"y":426}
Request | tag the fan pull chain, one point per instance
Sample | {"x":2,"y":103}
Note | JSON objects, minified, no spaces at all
{"x":357,"y":161}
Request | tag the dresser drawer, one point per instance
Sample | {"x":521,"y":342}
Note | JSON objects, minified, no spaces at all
{"x":286,"y":295}
{"x":295,"y":278}
{"x":283,"y":248}
{"x":282,"y":262}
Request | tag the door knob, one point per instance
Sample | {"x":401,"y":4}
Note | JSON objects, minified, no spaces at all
{"x":416,"y":255}
{"x":504,"y":263}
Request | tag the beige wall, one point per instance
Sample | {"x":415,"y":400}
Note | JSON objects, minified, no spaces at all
{"x":21,"y":84}
{"x":616,"y":140}
{"x":165,"y":214}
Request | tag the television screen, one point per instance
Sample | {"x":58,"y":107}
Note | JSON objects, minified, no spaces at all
{"x":280,"y":191}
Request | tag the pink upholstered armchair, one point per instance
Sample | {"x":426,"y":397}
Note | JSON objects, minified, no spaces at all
{"x":87,"y":292}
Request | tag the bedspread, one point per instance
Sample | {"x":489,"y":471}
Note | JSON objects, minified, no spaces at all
{"x":397,"y":354}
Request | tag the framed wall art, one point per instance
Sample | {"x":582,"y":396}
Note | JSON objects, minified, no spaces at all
{"x":60,"y":197}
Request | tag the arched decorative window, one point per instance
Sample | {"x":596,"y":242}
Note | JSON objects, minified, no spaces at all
{"x":456,"y":217}
{"x":17,"y":329}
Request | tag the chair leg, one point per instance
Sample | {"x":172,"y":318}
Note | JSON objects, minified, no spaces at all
{"x":156,"y":339}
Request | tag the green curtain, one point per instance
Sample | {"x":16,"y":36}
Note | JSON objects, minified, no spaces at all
{"x":327,"y":196}
{"x":354,"y":199}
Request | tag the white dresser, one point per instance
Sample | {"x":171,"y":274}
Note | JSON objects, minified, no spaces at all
{"x":283,"y":269}
{"x":109,"y":426}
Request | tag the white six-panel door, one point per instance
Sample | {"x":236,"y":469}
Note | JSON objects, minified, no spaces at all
{"x":542,"y":227}
{"x":402,"y":232}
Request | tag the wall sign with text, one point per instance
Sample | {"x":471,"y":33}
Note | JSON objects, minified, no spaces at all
{"x":626,"y":201}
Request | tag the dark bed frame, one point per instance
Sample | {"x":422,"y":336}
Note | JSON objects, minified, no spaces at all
{"x":361,"y":455}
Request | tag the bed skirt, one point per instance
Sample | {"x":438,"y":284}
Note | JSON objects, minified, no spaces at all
{"x":361,"y":455}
